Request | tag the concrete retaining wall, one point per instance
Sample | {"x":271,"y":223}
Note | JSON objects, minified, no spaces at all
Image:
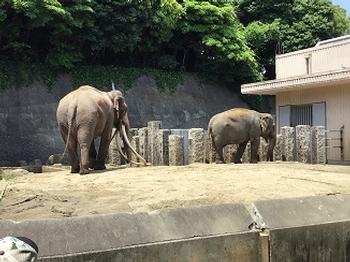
{"x":216,"y":233}
{"x":314,"y":243}
{"x":309,"y":229}
{"x":28,"y":126}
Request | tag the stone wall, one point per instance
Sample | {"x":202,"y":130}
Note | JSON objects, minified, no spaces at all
{"x":28,"y":128}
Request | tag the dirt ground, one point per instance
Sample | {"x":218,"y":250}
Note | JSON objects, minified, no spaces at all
{"x":61,"y":194}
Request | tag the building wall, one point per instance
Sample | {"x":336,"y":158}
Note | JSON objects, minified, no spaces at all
{"x":322,"y":59}
{"x":337,"y":100}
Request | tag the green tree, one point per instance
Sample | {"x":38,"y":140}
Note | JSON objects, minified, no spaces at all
{"x":292,"y":24}
{"x":43,"y":31}
{"x":127,"y":30}
{"x":211,"y":40}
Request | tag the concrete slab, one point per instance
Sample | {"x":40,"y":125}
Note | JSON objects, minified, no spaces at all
{"x":308,"y":229}
{"x":225,"y":248}
{"x":316,"y":243}
{"x":62,"y":237}
{"x":296,"y":212}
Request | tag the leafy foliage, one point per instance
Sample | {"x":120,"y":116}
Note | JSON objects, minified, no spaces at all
{"x":231,"y":41}
{"x":215,"y":37}
{"x":123,"y":77}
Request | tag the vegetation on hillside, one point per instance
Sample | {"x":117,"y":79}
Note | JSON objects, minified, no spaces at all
{"x":231,"y":41}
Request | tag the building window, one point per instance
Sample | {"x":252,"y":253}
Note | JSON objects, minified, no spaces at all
{"x":307,"y":114}
{"x":301,"y":115}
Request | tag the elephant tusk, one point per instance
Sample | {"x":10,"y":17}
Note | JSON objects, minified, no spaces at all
{"x":124,"y":156}
{"x":120,"y":149}
{"x":132,"y":149}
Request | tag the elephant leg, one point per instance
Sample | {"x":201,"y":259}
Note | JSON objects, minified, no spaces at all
{"x":219,"y":154}
{"x":239,"y":153}
{"x":85,"y":137}
{"x":71,"y":149}
{"x":103,"y":149}
{"x":92,"y":155}
{"x":254,"y":150}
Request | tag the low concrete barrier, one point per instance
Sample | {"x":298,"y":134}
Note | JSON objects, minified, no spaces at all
{"x":304,"y":211}
{"x":306,"y":229}
{"x":215,"y":233}
{"x":310,"y":229}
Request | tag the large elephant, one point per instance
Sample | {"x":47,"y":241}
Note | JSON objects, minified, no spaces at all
{"x":88,"y":113}
{"x":239,"y":126}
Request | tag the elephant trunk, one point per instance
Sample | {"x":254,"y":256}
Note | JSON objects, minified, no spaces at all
{"x":271,"y":146}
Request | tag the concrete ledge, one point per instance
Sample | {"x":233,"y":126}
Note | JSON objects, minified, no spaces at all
{"x":309,"y":229}
{"x":316,"y":243}
{"x":295,"y":212}
{"x":78,"y":237}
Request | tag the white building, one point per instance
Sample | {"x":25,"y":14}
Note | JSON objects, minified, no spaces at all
{"x":312,"y":87}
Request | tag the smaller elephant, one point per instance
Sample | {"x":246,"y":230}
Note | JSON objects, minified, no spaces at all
{"x":239,"y":126}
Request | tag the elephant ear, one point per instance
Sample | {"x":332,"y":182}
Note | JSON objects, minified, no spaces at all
{"x":265,"y":124}
{"x":123,"y":108}
{"x":116,"y":107}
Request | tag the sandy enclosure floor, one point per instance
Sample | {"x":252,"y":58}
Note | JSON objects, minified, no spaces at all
{"x":61,"y":194}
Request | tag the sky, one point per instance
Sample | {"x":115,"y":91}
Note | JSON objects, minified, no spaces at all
{"x":344,"y":4}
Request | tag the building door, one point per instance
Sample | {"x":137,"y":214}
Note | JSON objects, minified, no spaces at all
{"x":319,"y":114}
{"x":283,"y":116}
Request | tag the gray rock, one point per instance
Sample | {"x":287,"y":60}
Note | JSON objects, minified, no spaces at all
{"x":36,"y":166}
{"x":54,"y":159}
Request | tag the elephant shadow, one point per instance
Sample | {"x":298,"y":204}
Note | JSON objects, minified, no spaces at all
{"x":115,"y":168}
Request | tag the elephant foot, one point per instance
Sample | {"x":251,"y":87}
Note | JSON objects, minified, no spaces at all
{"x":91,"y":164}
{"x":254,"y":161}
{"x":84,"y":171}
{"x":75,"y":170}
{"x":219,"y":162}
{"x":99,"y":167}
{"x":237,"y":161}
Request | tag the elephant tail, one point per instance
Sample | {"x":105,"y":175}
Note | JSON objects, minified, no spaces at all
{"x":70,"y":124}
